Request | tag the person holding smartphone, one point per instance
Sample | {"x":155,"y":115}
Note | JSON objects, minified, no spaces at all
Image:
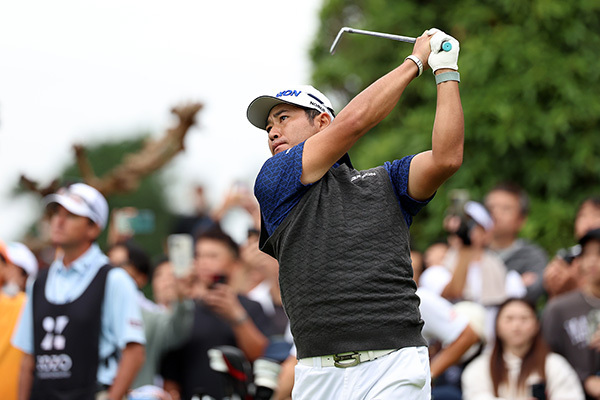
{"x":221,"y":317}
{"x":520,"y":365}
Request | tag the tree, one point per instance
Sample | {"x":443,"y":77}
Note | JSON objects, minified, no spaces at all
{"x":530,"y":84}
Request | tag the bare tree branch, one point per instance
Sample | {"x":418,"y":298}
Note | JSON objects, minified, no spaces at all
{"x":127,"y":176}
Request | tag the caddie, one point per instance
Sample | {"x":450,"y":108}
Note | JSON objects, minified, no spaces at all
{"x":81,"y":327}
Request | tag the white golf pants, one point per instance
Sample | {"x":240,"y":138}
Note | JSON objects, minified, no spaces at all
{"x":403,"y":374}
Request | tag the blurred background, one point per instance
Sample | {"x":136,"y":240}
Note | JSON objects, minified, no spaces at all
{"x":105,"y":75}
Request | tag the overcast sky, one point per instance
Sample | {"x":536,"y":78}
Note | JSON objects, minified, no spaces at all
{"x":92,"y":71}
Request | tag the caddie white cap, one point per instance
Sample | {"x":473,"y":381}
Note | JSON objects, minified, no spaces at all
{"x":19,"y":255}
{"x":479,"y":214}
{"x":83,"y":200}
{"x":302,"y":96}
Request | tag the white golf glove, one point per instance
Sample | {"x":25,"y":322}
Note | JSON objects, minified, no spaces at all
{"x":438,"y":57}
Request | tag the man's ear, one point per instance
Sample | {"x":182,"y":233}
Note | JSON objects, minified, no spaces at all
{"x":323,"y":120}
{"x":522,"y":221}
{"x":94,"y":232}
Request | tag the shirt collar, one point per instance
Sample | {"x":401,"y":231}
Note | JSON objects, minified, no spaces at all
{"x":81,"y":264}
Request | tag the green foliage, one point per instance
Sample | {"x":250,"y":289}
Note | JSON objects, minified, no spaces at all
{"x":530,"y":83}
{"x":150,"y":194}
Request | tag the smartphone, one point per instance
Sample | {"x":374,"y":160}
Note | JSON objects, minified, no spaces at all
{"x":458,"y":198}
{"x":181,"y":253}
{"x":136,"y":222}
{"x":218,"y":278}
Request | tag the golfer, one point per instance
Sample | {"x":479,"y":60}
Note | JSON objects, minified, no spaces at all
{"x":341,"y":235}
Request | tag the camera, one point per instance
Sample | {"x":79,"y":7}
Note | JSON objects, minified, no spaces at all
{"x":568,"y":254}
{"x":456,"y":211}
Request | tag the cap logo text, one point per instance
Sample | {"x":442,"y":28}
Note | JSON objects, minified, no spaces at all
{"x":289,"y":93}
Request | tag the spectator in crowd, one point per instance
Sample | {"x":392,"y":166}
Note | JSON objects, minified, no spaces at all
{"x":21,"y":266}
{"x":435,"y":254}
{"x":80,"y":310}
{"x":448,"y":333}
{"x":571,"y":321}
{"x":472,"y":272}
{"x":164,"y":329}
{"x":432,"y":259}
{"x":444,"y":325}
{"x":164,"y":283}
{"x":562,"y":273}
{"x":520,"y":366}
{"x":17,"y":264}
{"x":508,"y":205}
{"x":222,"y":317}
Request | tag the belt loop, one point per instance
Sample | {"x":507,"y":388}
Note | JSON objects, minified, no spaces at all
{"x":371,"y":357}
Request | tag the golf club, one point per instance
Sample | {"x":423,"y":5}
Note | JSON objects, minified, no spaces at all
{"x":446,"y":46}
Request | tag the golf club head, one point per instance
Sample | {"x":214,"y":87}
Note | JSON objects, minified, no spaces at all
{"x":232,"y":362}
{"x":337,"y":39}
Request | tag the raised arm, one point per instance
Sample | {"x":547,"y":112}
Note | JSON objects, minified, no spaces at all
{"x":428,"y":170}
{"x":365,"y":111}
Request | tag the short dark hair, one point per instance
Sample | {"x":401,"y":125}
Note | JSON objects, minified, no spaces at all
{"x":218,"y":235}
{"x":137,"y":257}
{"x":311,"y":114}
{"x":593,"y":200}
{"x":515,"y":190}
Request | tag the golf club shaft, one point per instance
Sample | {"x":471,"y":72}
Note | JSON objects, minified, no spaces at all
{"x":369,"y":33}
{"x":399,"y":38}
{"x":446,"y":46}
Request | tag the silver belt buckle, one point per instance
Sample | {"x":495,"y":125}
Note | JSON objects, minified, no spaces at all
{"x":338,"y":360}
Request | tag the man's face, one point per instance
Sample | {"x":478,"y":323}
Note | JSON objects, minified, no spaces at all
{"x":287,"y":126}
{"x":164,"y":284}
{"x":213,"y":258}
{"x":10,"y":273}
{"x":588,"y":218}
{"x":118,"y":255}
{"x":506,"y":212}
{"x":590,"y":262}
{"x":70,"y":230}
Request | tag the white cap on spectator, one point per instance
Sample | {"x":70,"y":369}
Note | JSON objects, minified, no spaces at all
{"x":83,"y":200}
{"x":479,"y":214}
{"x":19,"y":255}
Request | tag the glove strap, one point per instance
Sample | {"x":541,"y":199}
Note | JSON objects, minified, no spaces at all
{"x":416,"y":60}
{"x":447,"y":76}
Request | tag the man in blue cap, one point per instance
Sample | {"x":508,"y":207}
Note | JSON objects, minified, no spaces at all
{"x":341,"y":235}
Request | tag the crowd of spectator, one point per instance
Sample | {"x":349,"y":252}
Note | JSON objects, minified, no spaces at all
{"x":502,"y":318}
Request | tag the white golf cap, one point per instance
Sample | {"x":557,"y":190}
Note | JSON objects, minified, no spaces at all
{"x":479,"y":214}
{"x":19,"y":255}
{"x":83,"y":200}
{"x":304,"y":96}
